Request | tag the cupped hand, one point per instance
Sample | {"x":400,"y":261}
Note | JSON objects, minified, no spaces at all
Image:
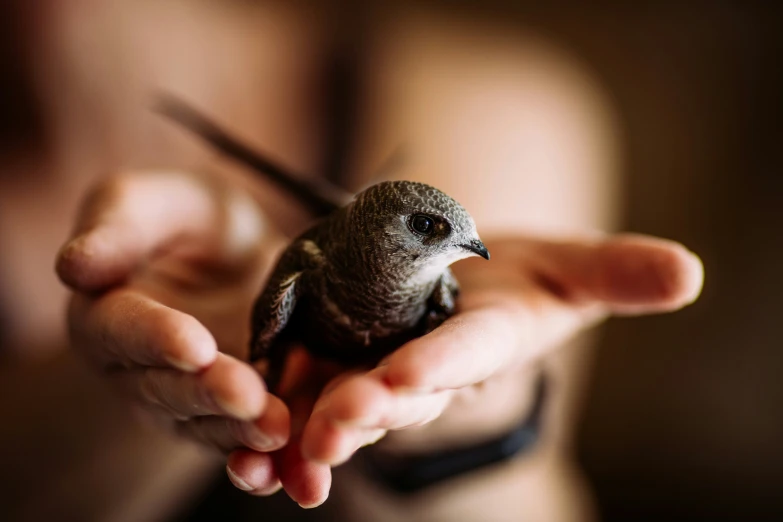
{"x":532,"y":296}
{"x":164,"y":267}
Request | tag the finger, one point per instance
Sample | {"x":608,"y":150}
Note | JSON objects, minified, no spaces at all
{"x":125,"y":327}
{"x":129,"y":218}
{"x":360,"y":411}
{"x":472,"y":346}
{"x":304,"y":379}
{"x":367,"y":402}
{"x":629,"y":273}
{"x":306,"y":482}
{"x":267,"y":433}
{"x":227,"y":387}
{"x":581,"y":282}
{"x":253,"y":472}
{"x":326,"y":442}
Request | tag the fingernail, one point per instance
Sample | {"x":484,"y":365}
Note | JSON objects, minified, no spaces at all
{"x":75,"y":244}
{"x":87,"y":245}
{"x":200,"y":354}
{"x":313,"y":505}
{"x":185,"y":366}
{"x":341,"y":459}
{"x":257,"y":439}
{"x":66,"y":253}
{"x":268,"y":491}
{"x":238,"y":482}
{"x":228,"y":407}
{"x":322,"y":403}
{"x":374,"y":437}
{"x":71,"y":260}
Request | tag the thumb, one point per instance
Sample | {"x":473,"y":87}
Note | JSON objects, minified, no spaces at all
{"x":128,"y":219}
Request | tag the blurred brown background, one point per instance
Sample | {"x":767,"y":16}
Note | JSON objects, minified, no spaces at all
{"x":684,"y":417}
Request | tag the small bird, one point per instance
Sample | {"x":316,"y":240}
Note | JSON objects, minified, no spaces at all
{"x":368,"y":277}
{"x":365,"y":278}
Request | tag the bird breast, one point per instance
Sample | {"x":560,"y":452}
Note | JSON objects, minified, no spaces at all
{"x":350,"y":314}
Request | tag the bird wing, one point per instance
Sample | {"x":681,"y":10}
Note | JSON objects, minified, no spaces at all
{"x":275,"y":306}
{"x":445,"y":293}
{"x":442,"y":301}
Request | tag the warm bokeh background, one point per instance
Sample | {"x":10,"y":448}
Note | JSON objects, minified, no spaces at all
{"x":683,"y":418}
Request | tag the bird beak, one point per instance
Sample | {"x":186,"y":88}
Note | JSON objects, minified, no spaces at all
{"x":477,"y":247}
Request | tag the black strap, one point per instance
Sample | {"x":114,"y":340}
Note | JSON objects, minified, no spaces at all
{"x":408,"y":474}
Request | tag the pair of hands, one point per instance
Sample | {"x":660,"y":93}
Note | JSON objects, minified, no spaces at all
{"x":165,"y":267}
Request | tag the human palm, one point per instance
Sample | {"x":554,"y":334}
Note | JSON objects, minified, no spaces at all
{"x":165,"y":267}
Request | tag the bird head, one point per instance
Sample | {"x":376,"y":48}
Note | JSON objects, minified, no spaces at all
{"x":416,"y":225}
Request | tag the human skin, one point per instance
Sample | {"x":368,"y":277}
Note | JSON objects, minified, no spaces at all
{"x":168,"y":332}
{"x":172,"y":332}
{"x":165,"y":264}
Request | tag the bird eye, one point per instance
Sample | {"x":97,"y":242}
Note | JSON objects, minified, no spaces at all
{"x":423,"y":224}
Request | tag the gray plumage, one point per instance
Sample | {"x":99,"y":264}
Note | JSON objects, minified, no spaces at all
{"x":363,"y":280}
{"x":366,"y":278}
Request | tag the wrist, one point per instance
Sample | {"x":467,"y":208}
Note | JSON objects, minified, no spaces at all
{"x":413,"y":471}
{"x":476,"y":414}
